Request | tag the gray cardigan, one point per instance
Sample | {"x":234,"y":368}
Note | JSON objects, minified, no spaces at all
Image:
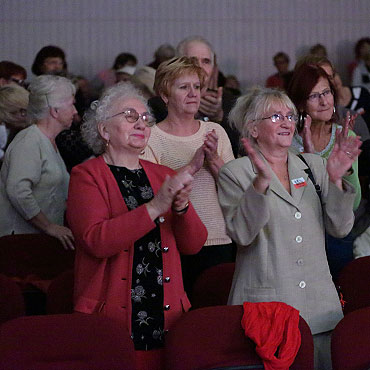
{"x":33,"y":178}
{"x":281,"y":243}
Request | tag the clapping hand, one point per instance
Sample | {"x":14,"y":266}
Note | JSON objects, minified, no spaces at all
{"x":308,"y":146}
{"x":210,"y":146}
{"x":174,"y":189}
{"x":345,"y":152}
{"x":263,"y":178}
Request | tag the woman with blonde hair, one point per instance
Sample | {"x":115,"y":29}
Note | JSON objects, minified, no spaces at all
{"x":13,"y":114}
{"x":277,"y":218}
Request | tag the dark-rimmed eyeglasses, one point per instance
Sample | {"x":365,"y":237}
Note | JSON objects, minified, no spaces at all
{"x":315,"y":97}
{"x":132,"y":116}
{"x":276,"y":117}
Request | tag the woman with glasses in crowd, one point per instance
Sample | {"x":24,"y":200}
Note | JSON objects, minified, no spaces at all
{"x":131,"y":219}
{"x":314,"y":95}
{"x":274,"y":214}
{"x":34,"y":179}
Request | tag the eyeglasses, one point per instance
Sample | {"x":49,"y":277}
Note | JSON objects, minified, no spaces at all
{"x":132,"y":116}
{"x":316,"y":96}
{"x":279,"y":118}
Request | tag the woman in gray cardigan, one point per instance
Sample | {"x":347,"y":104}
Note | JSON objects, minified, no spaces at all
{"x":33,"y":178}
{"x":274,"y":214}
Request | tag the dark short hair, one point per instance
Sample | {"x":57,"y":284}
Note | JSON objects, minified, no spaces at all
{"x":122,"y":59}
{"x":8,"y":69}
{"x":49,"y":51}
{"x":303,"y":81}
{"x":281,"y":54}
{"x":359,"y":44}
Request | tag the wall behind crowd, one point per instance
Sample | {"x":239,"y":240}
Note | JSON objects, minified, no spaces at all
{"x":245,"y":33}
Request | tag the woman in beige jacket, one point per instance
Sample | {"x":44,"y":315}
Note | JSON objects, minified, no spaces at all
{"x":274,"y":214}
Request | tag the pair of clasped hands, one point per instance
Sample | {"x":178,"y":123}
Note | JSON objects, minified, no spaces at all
{"x":176,"y":189}
{"x":345,"y":152}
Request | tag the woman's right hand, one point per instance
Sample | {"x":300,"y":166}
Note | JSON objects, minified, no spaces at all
{"x":162,"y":201}
{"x":197,"y":161}
{"x":308,"y":146}
{"x":63,"y":234}
{"x":263,"y":178}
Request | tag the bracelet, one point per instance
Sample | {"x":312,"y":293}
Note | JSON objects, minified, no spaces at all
{"x":180,"y":211}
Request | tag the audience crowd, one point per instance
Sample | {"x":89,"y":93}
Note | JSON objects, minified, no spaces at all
{"x":155,"y":173}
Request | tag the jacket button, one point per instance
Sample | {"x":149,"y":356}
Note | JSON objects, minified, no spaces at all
{"x":165,"y":249}
{"x":167,"y":307}
{"x":302,"y":284}
{"x":167,"y":279}
{"x":300,"y":262}
{"x":161,"y":219}
{"x":298,"y":215}
{"x":298,"y":239}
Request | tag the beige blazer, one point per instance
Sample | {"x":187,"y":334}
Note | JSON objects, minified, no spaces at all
{"x":281,"y":244}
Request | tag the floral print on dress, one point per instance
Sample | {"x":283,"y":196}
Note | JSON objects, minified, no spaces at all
{"x":147,"y":318}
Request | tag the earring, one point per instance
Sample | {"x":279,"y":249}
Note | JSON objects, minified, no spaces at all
{"x":106,"y":144}
{"x":334,"y":110}
{"x":142,"y":152}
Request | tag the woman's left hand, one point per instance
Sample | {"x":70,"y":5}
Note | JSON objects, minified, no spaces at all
{"x":345,"y":152}
{"x":210,"y":146}
{"x":210,"y":150}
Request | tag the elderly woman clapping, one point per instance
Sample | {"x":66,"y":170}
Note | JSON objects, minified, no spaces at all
{"x":277,"y":218}
{"x":34,"y":179}
{"x":131,"y":220}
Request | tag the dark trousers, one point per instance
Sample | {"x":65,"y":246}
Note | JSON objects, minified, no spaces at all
{"x":210,"y":255}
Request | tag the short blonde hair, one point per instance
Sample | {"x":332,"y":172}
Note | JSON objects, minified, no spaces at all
{"x":12,"y":99}
{"x":254,"y":105}
{"x":172,"y":69}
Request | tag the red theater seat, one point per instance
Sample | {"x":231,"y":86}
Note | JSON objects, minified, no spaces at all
{"x":213,"y":338}
{"x":350,"y":341}
{"x":354,"y":283}
{"x":65,"y":342}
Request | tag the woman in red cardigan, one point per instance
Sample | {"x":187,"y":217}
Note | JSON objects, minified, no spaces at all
{"x":131,"y":219}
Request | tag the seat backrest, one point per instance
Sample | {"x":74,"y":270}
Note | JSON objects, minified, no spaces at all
{"x":354,"y":283}
{"x":212,"y":337}
{"x":59,"y":297}
{"x":213,"y":285}
{"x":350,"y":341}
{"x":11,"y":299}
{"x":40,"y":255}
{"x":61,"y":342}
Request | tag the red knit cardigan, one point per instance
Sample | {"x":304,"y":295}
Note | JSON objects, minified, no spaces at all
{"x":105,"y":232}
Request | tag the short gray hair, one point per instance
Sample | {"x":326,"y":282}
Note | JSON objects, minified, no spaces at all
{"x":48,"y":91}
{"x":100,"y":110}
{"x":180,"y":49}
{"x":254,"y":105}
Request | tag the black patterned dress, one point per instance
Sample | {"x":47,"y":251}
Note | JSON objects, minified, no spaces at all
{"x":147,"y":318}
